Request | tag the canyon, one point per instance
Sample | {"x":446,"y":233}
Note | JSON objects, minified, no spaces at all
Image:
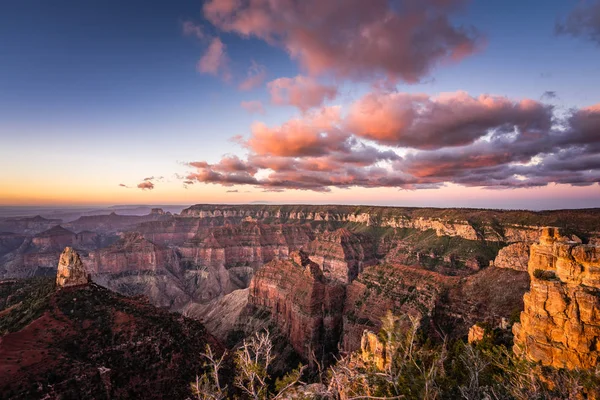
{"x":560,"y":324}
{"x":317,"y":275}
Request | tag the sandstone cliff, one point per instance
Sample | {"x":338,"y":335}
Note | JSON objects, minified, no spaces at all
{"x":71,"y":271}
{"x":383,"y":288}
{"x":305,"y":307}
{"x":514,"y":256}
{"x":560,"y":325}
{"x":342,"y":254}
{"x":241,"y":249}
{"x":469,"y":224}
{"x":134,"y":265}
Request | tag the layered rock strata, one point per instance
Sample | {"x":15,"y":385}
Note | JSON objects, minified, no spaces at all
{"x":342,"y":254}
{"x":560,"y":325}
{"x":383,"y":288}
{"x":303,"y":304}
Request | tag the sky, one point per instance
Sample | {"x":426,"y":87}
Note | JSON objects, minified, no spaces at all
{"x":445,"y":103}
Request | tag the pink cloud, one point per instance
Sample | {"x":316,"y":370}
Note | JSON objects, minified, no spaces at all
{"x":485,"y":141}
{"x":312,"y":134}
{"x":191,"y":29}
{"x":146,"y":185}
{"x":253,"y":106}
{"x":301,"y":91}
{"x":355,"y":39}
{"x":256,"y":76}
{"x":449,"y":119}
{"x":215,"y":60}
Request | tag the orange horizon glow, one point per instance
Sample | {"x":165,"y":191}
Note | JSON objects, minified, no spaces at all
{"x":171,"y":194}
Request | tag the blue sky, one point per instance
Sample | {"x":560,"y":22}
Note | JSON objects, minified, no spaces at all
{"x":98,"y":93}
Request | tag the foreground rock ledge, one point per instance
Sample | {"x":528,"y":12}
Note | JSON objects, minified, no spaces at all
{"x":71,"y":271}
{"x":560,"y":325}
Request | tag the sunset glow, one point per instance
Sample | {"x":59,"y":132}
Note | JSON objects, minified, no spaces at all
{"x":240,"y":102}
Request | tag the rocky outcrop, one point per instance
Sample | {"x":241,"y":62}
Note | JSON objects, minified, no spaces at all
{"x":492,"y":297}
{"x":342,"y":254}
{"x":303,"y":304}
{"x":131,"y":253}
{"x":383,"y":288}
{"x":514,"y":256}
{"x":476,"y":334}
{"x":373,"y":350}
{"x":71,"y":271}
{"x":560,"y":324}
{"x":134,"y":266}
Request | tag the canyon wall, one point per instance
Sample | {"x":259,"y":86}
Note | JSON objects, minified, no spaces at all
{"x":560,"y":325}
{"x":305,"y":306}
{"x":342,"y":254}
{"x":470,"y":224}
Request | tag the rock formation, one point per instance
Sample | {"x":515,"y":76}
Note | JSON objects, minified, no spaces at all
{"x":305,"y":307}
{"x":133,"y":265}
{"x":476,"y":334}
{"x":342,"y":254}
{"x":71,"y":271}
{"x":372,"y":350}
{"x":383,"y":288}
{"x":560,"y":325}
{"x":514,"y":256}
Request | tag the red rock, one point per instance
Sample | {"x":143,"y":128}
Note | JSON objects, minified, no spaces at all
{"x":306,"y":308}
{"x":342,"y":254}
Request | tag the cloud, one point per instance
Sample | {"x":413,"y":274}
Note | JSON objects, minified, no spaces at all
{"x":485,"y":141}
{"x":549,"y":95}
{"x":151,"y":178}
{"x":124,"y":185}
{"x":257,"y":74}
{"x":232,"y":191}
{"x":313,"y":134}
{"x":146,"y":185}
{"x":583,"y":21}
{"x":215,"y":60}
{"x":253,"y":106}
{"x":301,"y":91}
{"x":191,"y":29}
{"x":449,"y":119}
{"x":354,"y":39}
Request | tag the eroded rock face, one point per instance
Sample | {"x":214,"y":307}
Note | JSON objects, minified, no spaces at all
{"x":304,"y":305}
{"x":476,"y":334}
{"x":560,"y":325}
{"x":342,"y":254}
{"x":382,"y":288}
{"x":71,"y":271}
{"x":514,"y":256}
{"x":373,"y":350}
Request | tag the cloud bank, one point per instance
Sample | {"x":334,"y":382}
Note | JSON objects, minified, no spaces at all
{"x":413,"y":141}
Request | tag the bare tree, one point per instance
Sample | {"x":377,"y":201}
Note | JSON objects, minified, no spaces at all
{"x":208,"y":386}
